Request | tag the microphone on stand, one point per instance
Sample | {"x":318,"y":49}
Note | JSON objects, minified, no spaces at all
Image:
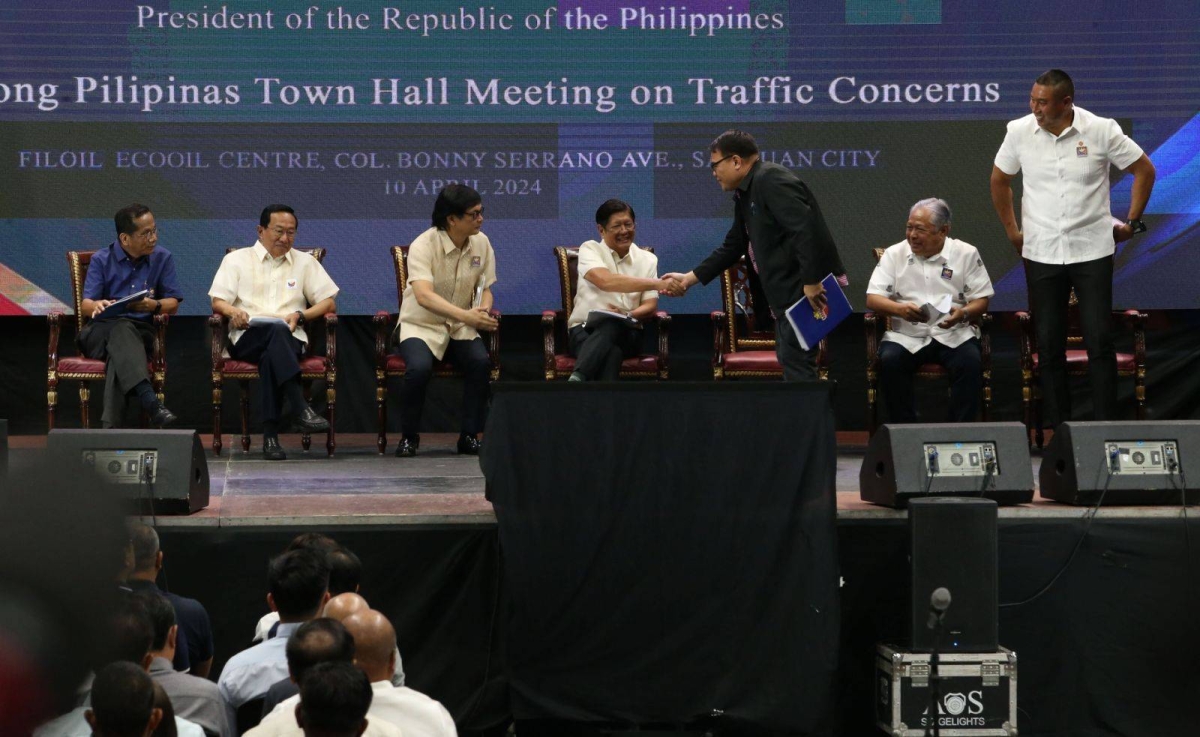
{"x":939,"y":602}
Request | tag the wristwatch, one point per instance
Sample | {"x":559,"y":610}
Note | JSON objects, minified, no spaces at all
{"x":157,"y":307}
{"x":1137,"y":225}
{"x":300,"y":320}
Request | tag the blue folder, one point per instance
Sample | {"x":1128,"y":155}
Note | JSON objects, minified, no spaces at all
{"x":813,"y":325}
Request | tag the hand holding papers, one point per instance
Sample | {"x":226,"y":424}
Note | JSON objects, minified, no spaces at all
{"x":936,"y":311}
{"x":120,"y":306}
{"x":267,"y":320}
{"x":595,"y":317}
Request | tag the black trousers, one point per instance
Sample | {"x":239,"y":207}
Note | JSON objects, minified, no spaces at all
{"x":964,"y":363}
{"x":599,"y":350}
{"x":277,"y":353}
{"x":468,"y":356}
{"x":1049,"y":292}
{"x":798,"y":364}
{"x":124,"y":345}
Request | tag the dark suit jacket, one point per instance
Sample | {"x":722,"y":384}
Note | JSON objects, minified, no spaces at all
{"x":278,"y":693}
{"x":792,"y":243}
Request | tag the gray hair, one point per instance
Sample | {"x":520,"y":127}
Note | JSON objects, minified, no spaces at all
{"x":145,"y":543}
{"x":939,"y":211}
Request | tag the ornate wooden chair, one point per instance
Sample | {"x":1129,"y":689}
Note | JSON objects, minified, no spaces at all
{"x":388,"y":364}
{"x":81,"y":368}
{"x":559,"y":364}
{"x":312,"y":367}
{"x":1128,"y":364}
{"x":875,"y":329}
{"x":742,"y":349}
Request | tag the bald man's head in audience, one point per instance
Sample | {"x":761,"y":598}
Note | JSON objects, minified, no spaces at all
{"x":374,"y":643}
{"x":343,"y":605}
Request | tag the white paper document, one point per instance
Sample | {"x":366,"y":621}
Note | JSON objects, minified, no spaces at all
{"x":937,"y":311}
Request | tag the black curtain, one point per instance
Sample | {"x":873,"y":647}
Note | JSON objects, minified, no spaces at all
{"x":670,"y":550}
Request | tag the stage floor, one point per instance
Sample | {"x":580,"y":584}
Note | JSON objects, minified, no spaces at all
{"x":359,"y":488}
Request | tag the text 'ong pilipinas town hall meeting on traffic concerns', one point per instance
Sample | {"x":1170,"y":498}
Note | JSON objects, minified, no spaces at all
{"x":728,"y":368}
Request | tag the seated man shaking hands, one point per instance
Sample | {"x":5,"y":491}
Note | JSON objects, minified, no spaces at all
{"x":283,"y":289}
{"x":617,"y":276}
{"x":932,"y":285}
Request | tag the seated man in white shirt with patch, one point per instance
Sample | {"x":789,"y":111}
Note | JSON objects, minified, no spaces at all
{"x":616,"y":276}
{"x":912,"y":279}
{"x":289,"y":288}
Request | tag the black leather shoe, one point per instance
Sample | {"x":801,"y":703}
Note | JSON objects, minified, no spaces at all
{"x":408,"y":446}
{"x":309,"y":421}
{"x":272,"y":450}
{"x":468,"y":445}
{"x":161,"y":416}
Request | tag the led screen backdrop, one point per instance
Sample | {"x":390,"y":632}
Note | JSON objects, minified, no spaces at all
{"x":356,"y":113}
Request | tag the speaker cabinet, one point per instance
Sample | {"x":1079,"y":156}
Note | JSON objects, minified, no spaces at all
{"x":1127,"y":462}
{"x":989,"y":460}
{"x":953,"y":545}
{"x":159,"y":471}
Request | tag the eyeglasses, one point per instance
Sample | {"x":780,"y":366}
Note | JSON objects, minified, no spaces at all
{"x":147,"y":234}
{"x":474,"y":214}
{"x":280,"y":232}
{"x":714,"y":164}
{"x":622,"y":227}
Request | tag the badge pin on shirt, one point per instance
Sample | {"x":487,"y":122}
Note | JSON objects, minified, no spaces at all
{"x":476,"y":261}
{"x":947,"y":273}
{"x":291,"y":283}
{"x":1081,"y":149}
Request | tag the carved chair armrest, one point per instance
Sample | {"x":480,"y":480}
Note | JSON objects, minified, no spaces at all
{"x":664,"y":334}
{"x":720,"y":328}
{"x":159,"y":357}
{"x":492,"y":340}
{"x":1028,"y":339}
{"x":549,"y":347}
{"x":871,"y":326}
{"x":331,"y":323}
{"x":985,"y":339}
{"x":217,"y":322}
{"x":384,"y":325}
{"x":1137,"y":322}
{"x":54,"y":321}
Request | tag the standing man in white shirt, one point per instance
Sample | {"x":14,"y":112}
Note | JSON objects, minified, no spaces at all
{"x":923,"y":269}
{"x":271,"y":279}
{"x":617,"y":276}
{"x":1067,"y":235}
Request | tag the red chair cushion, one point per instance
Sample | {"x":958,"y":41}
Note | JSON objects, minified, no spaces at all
{"x":647,"y":364}
{"x":395,"y":365}
{"x":758,"y":361}
{"x":931,"y":369}
{"x":308,"y":365}
{"x":80,"y":365}
{"x":1077,"y":360}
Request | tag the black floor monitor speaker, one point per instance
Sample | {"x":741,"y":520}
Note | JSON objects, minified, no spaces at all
{"x":1127,"y":462}
{"x":953,"y":546}
{"x":989,"y":460}
{"x":159,"y":471}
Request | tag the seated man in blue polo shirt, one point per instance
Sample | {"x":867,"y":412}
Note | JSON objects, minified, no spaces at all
{"x":129,"y":265}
